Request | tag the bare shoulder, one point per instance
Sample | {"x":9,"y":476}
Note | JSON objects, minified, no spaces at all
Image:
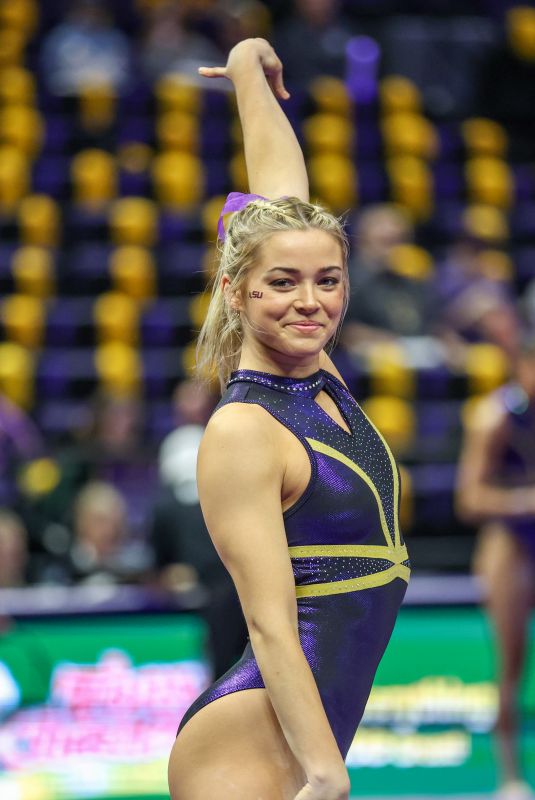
{"x":486,"y":415}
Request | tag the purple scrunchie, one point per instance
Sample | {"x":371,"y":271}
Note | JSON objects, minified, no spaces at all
{"x":234,"y":202}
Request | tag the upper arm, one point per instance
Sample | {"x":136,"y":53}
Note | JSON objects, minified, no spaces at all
{"x":240,"y":476}
{"x":481,"y":444}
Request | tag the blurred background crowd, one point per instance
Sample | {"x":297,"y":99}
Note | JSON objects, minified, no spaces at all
{"x":115,"y":159}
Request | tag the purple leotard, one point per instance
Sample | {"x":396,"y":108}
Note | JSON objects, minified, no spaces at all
{"x":348,"y":556}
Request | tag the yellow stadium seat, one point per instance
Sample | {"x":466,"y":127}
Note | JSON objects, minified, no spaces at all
{"x":33,"y":271}
{"x":94,"y":177}
{"x":238,"y":173}
{"x":22,"y":127}
{"x":484,"y":137}
{"x":189,"y":359}
{"x":389,"y":371}
{"x":411,"y":262}
{"x":19,"y":15}
{"x":409,"y":134}
{"x":210,"y":263}
{"x":398,"y":94}
{"x":487,"y":223}
{"x":333,"y":179}
{"x":486,"y":367}
{"x":134,"y":157}
{"x":178,"y":130}
{"x":39,"y":220}
{"x":394,"y":418}
{"x":489,"y":181}
{"x":406,"y":506}
{"x":17,"y":374}
{"x":178,"y":180}
{"x":175,"y":93}
{"x":328,"y":133}
{"x":134,"y":220}
{"x":331,"y":96}
{"x":23,"y":318}
{"x":411,"y":185}
{"x":12,"y":45}
{"x":97,"y":105}
{"x":198,"y":308}
{"x":210,"y":213}
{"x":116,"y":318}
{"x":17,"y":87}
{"x":520,"y":24}
{"x":133,"y":272}
{"x":14,"y":178}
{"x":119,"y":368}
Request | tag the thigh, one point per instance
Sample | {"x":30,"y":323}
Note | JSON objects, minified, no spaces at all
{"x":234,"y":749}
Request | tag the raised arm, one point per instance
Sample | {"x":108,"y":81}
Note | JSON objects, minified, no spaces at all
{"x":240,"y":495}
{"x":275,"y":163}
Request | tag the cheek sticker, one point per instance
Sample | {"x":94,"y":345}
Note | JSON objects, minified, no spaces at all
{"x":255,"y":295}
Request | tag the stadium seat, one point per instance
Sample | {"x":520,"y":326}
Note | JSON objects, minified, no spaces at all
{"x":238,"y":173}
{"x":94,"y":178}
{"x":210,"y":213}
{"x":12,"y":45}
{"x":333,"y":178}
{"x":21,"y":16}
{"x":23,"y":319}
{"x":116,"y":318}
{"x":134,"y":220}
{"x":17,"y":87}
{"x":33,"y":271}
{"x":484,"y":138}
{"x":198,"y":308}
{"x":178,"y":180}
{"x":411,"y":184}
{"x":39,"y":219}
{"x":395,"y":418}
{"x":486,"y":223}
{"x":14,"y":178}
{"x":173,"y":93}
{"x":22,"y":127}
{"x":389,"y":371}
{"x":177,"y":130}
{"x":330,"y":96}
{"x":495,"y":265}
{"x":118,"y":367}
{"x":17,"y":374}
{"x":489,"y":181}
{"x":133,"y":272}
{"x":411,"y":262}
{"x":409,"y":134}
{"x":96,"y":107}
{"x":328,"y":133}
{"x":398,"y":94}
{"x":486,"y":368}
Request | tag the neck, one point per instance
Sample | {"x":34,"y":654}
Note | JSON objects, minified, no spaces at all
{"x":265,"y":360}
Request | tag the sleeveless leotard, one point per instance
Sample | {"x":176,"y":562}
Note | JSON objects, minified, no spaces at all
{"x":348,"y":556}
{"x":515,"y":464}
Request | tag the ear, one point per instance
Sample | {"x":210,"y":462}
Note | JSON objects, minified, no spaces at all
{"x":233,"y":299}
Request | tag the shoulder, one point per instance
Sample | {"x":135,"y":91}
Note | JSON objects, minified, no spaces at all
{"x":486,"y":415}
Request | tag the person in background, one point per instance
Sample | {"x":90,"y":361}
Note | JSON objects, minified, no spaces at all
{"x":85,"y":49}
{"x":20,"y":442}
{"x":496,"y":490}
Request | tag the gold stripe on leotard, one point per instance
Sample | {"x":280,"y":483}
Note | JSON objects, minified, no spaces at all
{"x":327,"y":450}
{"x":354,"y":584}
{"x":395,"y":555}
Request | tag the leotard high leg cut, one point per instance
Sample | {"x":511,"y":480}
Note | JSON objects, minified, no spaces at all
{"x":349,"y":560}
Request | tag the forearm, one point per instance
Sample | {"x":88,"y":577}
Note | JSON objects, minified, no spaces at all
{"x":275,"y":163}
{"x":486,"y":501}
{"x":297,"y":703}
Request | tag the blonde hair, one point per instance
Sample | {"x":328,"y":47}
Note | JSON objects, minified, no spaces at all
{"x":220,"y":338}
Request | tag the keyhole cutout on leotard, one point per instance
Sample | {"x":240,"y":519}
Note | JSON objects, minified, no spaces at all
{"x":326,"y":401}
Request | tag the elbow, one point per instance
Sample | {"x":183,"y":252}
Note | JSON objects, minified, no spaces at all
{"x":273,"y":631}
{"x":467,"y":507}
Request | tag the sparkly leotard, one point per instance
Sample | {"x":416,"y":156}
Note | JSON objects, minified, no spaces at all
{"x":348,"y":556}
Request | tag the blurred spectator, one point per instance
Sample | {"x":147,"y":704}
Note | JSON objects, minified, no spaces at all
{"x":184,"y":553}
{"x":312,"y":41}
{"x":385,"y":303}
{"x":474,"y":307}
{"x":244,"y":19}
{"x":496,"y":490}
{"x":85,"y":50}
{"x":172,"y":45}
{"x":506,"y":90}
{"x":13,"y":550}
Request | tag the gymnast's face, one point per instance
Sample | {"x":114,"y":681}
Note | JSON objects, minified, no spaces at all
{"x":293,"y":298}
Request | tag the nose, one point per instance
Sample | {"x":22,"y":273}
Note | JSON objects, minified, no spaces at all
{"x":306,"y":301}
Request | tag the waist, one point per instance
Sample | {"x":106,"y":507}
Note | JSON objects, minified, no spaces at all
{"x":334,"y":569}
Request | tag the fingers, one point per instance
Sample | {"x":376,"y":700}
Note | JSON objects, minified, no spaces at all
{"x":213,"y":72}
{"x":279,"y":87}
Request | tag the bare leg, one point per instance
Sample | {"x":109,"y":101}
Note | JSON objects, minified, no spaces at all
{"x":507,"y":572}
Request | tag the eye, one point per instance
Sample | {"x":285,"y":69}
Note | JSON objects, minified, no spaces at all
{"x":282,"y":283}
{"x":329,"y":281}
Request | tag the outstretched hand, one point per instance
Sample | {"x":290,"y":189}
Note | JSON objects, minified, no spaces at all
{"x":239,"y":61}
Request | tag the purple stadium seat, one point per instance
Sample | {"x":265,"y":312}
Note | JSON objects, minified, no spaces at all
{"x":160,"y":420}
{"x":450,"y":141}
{"x":135,"y":129}
{"x":523,"y":223}
{"x":58,"y":419}
{"x":51,"y":176}
{"x":162,"y":369}
{"x":449,"y":180}
{"x":216,"y":177}
{"x":524,"y":259}
{"x":70,"y":322}
{"x":84,"y":225}
{"x":66,"y":373}
{"x":6,"y":277}
{"x":86,"y":270}
{"x":373,"y":183}
{"x":165,"y":323}
{"x":524,"y":179}
{"x":59,"y":133}
{"x":134,"y":184}
{"x":177,"y":227}
{"x":433,"y":383}
{"x":368,"y":140}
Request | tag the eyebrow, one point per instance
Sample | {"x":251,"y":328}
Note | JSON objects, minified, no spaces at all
{"x":294,"y":271}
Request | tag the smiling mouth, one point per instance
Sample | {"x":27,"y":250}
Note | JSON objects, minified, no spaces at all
{"x":305,"y":325}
